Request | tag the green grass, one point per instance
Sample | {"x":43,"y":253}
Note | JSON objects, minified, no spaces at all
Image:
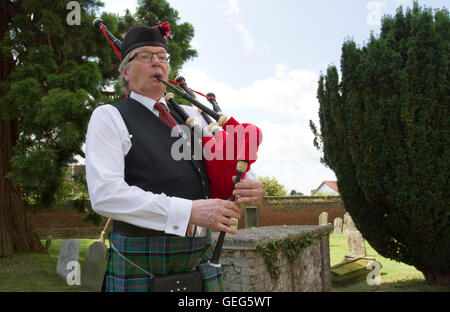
{"x":395,"y":276}
{"x":37,"y":272}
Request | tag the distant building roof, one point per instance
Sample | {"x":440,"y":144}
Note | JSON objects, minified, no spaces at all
{"x":331,"y":184}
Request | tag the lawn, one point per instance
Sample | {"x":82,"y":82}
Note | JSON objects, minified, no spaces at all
{"x":37,"y":272}
{"x":395,"y":276}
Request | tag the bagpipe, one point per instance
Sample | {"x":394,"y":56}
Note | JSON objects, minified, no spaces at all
{"x":229,"y":147}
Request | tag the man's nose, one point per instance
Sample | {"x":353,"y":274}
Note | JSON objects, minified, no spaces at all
{"x":155,"y":59}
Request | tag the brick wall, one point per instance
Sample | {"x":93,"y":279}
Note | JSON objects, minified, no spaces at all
{"x":62,"y":222}
{"x":296,"y":210}
{"x":66,"y":222}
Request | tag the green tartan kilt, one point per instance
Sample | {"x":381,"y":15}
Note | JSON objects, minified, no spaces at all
{"x":160,"y":256}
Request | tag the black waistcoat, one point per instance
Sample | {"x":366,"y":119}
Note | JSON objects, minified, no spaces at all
{"x":149,"y":163}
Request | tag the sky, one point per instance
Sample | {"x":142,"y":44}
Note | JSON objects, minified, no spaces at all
{"x":263,"y":60}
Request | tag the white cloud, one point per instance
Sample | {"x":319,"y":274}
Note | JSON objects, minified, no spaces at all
{"x":248,"y":42}
{"x":289,"y":94}
{"x":232,"y":9}
{"x":288,"y":154}
{"x":282,"y":107}
{"x":280,"y":70}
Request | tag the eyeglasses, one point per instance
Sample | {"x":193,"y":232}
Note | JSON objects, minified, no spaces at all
{"x":147,"y":57}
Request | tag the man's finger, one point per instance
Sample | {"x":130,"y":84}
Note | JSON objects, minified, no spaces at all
{"x":248,"y":184}
{"x":226,"y":229}
{"x":232,"y":206}
{"x":248,"y":200}
{"x":228,"y":221}
{"x":247,"y":192}
{"x":232,"y":214}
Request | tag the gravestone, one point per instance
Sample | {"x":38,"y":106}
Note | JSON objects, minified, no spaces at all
{"x":356,"y":245}
{"x":69,"y":251}
{"x":349,"y":225}
{"x":323,"y":218}
{"x":48,"y":244}
{"x":94,"y":266}
{"x":337,"y":226}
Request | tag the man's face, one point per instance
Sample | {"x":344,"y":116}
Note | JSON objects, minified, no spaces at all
{"x":141,"y":76}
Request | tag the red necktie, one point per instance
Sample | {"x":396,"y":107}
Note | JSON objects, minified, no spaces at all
{"x":164,"y":115}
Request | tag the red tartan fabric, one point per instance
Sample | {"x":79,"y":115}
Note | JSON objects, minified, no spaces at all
{"x":164,"y":115}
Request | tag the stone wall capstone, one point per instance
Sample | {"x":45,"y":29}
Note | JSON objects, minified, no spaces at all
{"x":244,"y":268}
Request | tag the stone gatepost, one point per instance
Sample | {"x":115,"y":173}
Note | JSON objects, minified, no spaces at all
{"x":262,"y":259}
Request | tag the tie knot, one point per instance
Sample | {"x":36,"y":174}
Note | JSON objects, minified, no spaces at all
{"x":160,"y":107}
{"x":164,"y":115}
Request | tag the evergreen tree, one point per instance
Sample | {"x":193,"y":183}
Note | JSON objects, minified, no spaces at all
{"x":385,"y":130}
{"x":53,"y":75}
{"x":48,"y":89}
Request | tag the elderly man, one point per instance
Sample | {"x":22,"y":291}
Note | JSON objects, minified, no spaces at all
{"x":152,"y":198}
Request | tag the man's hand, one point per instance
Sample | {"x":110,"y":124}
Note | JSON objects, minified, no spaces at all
{"x":215,"y":214}
{"x":249,"y":192}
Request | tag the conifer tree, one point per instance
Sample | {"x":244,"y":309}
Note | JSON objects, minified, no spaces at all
{"x":385,"y":130}
{"x":53,"y":74}
{"x":49,"y":86}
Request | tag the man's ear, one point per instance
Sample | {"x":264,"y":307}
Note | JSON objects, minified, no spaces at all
{"x":125,"y":73}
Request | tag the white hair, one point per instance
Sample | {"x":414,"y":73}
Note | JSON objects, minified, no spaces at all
{"x":124,"y":83}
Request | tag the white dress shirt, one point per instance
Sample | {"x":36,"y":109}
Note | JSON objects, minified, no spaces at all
{"x":107,"y":144}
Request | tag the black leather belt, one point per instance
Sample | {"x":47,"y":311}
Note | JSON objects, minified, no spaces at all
{"x":130,"y":230}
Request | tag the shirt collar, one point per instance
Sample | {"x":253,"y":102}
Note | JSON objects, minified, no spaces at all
{"x":148,"y":102}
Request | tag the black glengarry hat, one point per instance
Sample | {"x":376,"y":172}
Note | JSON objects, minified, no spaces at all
{"x":146,"y":36}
